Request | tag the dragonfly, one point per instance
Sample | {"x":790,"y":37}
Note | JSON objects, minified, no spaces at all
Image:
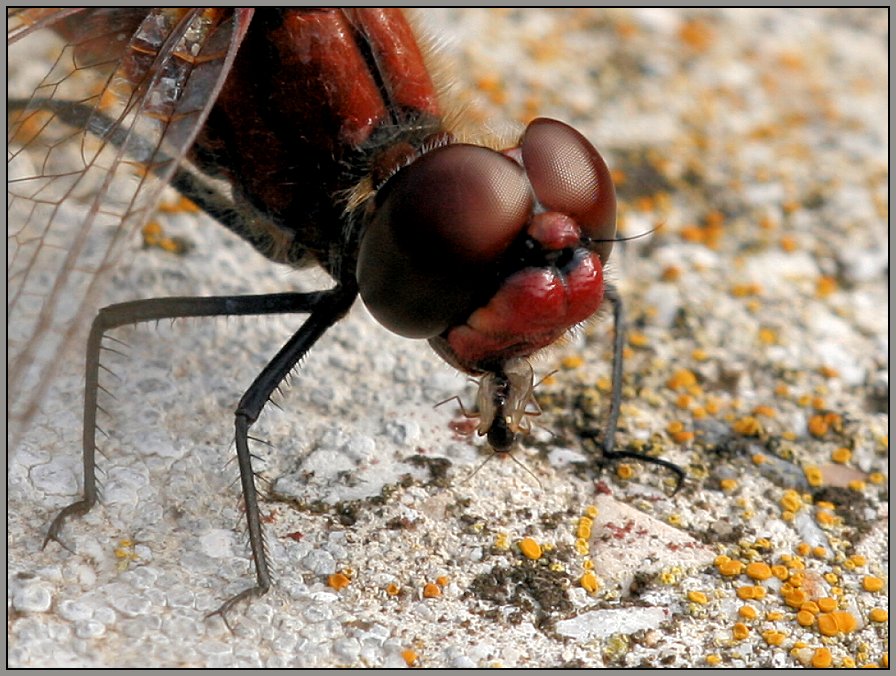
{"x":319,"y":137}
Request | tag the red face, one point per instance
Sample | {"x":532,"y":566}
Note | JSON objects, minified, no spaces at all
{"x":491,"y":255}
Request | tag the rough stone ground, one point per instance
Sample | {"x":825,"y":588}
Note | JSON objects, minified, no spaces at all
{"x":756,"y":141}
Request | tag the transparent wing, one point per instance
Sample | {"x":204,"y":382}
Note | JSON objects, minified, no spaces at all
{"x":92,"y":140}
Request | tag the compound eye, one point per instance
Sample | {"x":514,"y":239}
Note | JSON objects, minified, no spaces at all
{"x":569,"y":176}
{"x":438,"y":225}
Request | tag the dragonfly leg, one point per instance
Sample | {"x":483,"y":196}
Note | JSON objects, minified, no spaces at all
{"x":324,"y":308}
{"x":330,"y":309}
{"x":608,"y":454}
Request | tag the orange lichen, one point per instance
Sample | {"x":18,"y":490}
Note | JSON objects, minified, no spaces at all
{"x":759,"y":570}
{"x":338,"y":581}
{"x":409,"y":657}
{"x":805,"y":618}
{"x":878,"y":615}
{"x":872,"y":583}
{"x":774,"y":637}
{"x":748,"y":612}
{"x":818,"y":426}
{"x":822,"y":658}
{"x":698,"y":597}
{"x":681,"y":380}
{"x":588,"y":582}
{"x":431,"y":591}
{"x":740,"y":631}
{"x":731,"y":568}
{"x":584,"y":528}
{"x":748,"y":426}
{"x":836,"y":622}
{"x":530,"y":548}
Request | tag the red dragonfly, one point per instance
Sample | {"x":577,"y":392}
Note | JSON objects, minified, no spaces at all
{"x":318,"y":136}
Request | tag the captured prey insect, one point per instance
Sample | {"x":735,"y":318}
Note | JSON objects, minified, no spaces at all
{"x":318,"y":136}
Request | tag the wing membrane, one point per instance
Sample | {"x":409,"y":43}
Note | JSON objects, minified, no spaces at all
{"x":91,"y":143}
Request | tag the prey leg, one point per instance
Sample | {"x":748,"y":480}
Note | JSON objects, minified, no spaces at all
{"x":608,"y":454}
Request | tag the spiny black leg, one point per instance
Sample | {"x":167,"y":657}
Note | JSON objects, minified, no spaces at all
{"x":330,"y":309}
{"x":608,"y":454}
{"x":325,"y":308}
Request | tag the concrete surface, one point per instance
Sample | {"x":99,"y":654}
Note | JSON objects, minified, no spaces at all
{"x":757,"y":140}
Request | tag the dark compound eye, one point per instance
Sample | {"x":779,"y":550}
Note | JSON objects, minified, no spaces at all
{"x":569,"y":176}
{"x":439,"y":225}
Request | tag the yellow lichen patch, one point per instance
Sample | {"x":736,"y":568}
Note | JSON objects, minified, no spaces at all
{"x":745,"y":290}
{"x":841,"y":455}
{"x":878,"y":615}
{"x":697,"y":597}
{"x":731,"y":568}
{"x":638,"y":339}
{"x":671,"y":273}
{"x":583,"y":530}
{"x":836,"y":622}
{"x":748,"y":426}
{"x":572,"y":362}
{"x":813,"y":475}
{"x":393,"y":589}
{"x":822,"y":658}
{"x":530,"y":548}
{"x":780,"y":572}
{"x":856,"y":485}
{"x":696,"y":34}
{"x":502,"y":541}
{"x":795,"y":598}
{"x":699,"y":354}
{"x":858,"y":560}
{"x":740,"y":631}
{"x":828,"y":371}
{"x":748,"y":612}
{"x":877,"y":478}
{"x":683,"y":401}
{"x":805,"y":618}
{"x":409,"y":657}
{"x":788,"y":244}
{"x":442,"y":580}
{"x":791,"y":501}
{"x":825,"y":286}
{"x":758,"y":570}
{"x":582,"y":546}
{"x":774,"y":637}
{"x":681,"y":380}
{"x":818,"y":426}
{"x":625,"y":471}
{"x":767,"y":336}
{"x":431,"y":591}
{"x":493,"y":87}
{"x":591,"y":511}
{"x":338,"y":581}
{"x":763,"y":410}
{"x":728,"y":485}
{"x":713,"y":660}
{"x":825,"y":518}
{"x":589,"y":582}
{"x":810,"y":607}
{"x":872,"y":583}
